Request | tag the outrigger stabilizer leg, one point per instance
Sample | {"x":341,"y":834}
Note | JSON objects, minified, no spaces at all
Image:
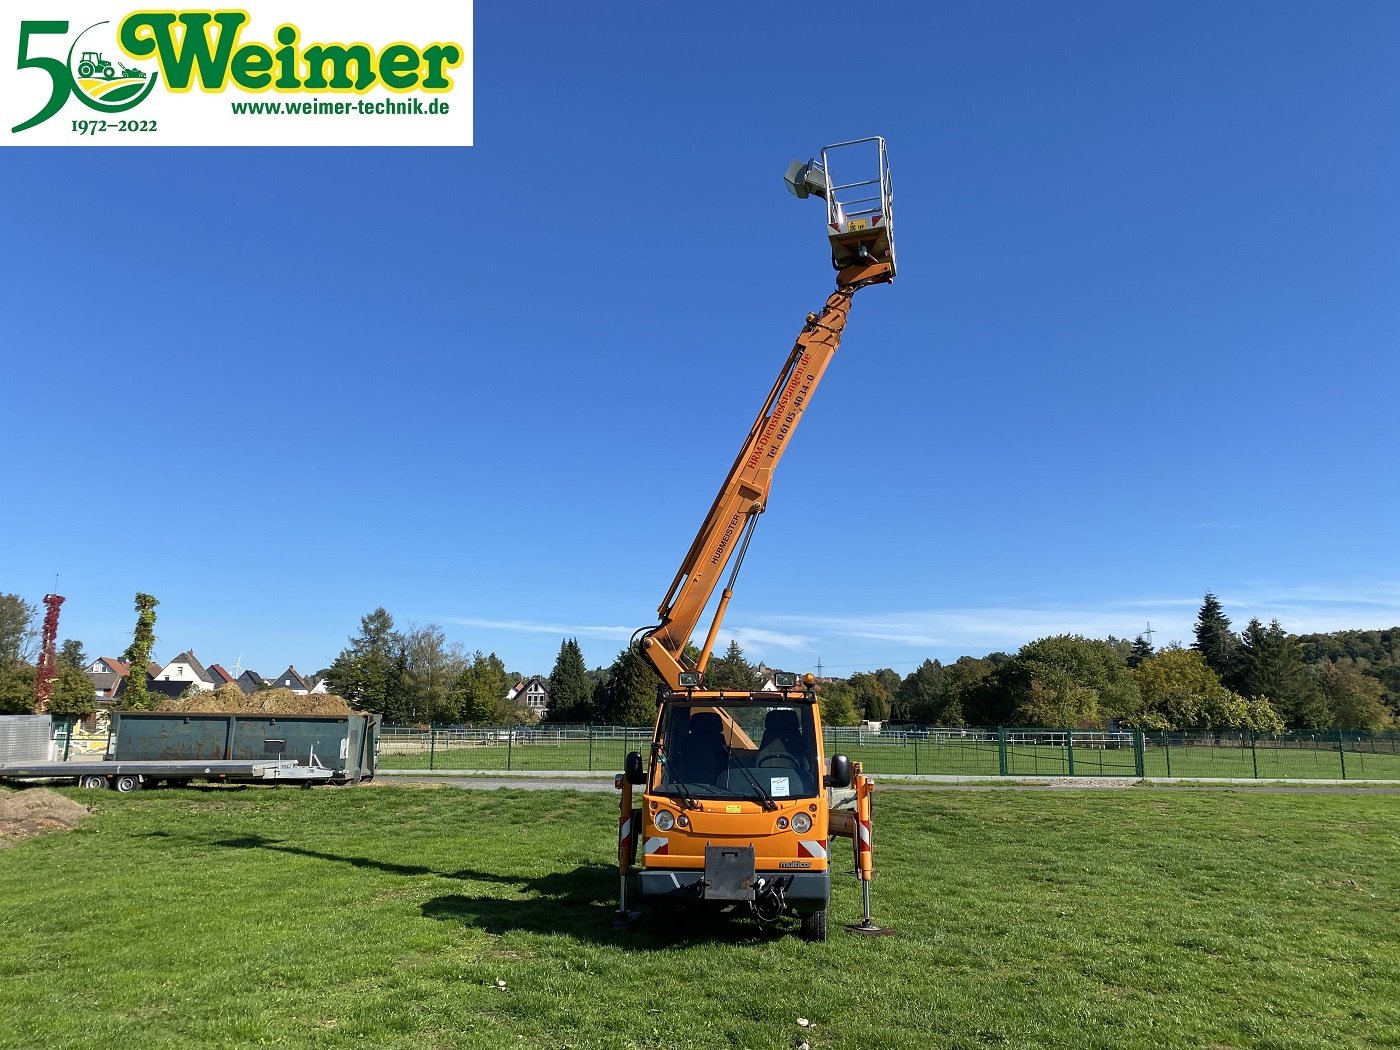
{"x":626,"y":830}
{"x":864,"y":844}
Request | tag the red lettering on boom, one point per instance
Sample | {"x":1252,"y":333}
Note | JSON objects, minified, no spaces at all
{"x":790,"y":392}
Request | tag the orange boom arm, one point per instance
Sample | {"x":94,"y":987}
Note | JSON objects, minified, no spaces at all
{"x":744,"y":494}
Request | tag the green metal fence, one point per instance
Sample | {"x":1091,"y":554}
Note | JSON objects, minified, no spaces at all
{"x":545,"y":748}
{"x":989,"y":753}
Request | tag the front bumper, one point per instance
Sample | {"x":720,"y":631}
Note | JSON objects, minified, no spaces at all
{"x":810,"y":890}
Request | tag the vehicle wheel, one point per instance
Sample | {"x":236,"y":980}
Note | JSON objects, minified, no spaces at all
{"x":85,"y":69}
{"x":127,"y":783}
{"x":93,"y":782}
{"x":814,"y":925}
{"x":108,"y":73}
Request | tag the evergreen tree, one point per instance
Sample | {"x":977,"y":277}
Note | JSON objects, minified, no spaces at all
{"x":138,"y":654}
{"x":1217,"y":643}
{"x":1142,"y":650}
{"x":1272,"y":667}
{"x":400,"y":706}
{"x":732,"y":671}
{"x":627,"y":695}
{"x":570,"y":695}
{"x":361,"y":672}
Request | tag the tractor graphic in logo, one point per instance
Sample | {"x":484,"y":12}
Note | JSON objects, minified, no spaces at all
{"x":92,"y":64}
{"x":100,"y":84}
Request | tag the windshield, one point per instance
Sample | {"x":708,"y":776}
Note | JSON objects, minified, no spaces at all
{"x":745,"y":750}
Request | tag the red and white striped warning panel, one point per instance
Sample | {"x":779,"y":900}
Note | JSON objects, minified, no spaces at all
{"x":656,"y":846}
{"x":812,"y":848}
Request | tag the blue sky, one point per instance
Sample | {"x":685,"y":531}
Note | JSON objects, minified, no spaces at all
{"x":1142,"y":344}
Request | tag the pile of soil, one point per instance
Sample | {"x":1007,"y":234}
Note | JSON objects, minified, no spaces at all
{"x":229,"y":699}
{"x":24,"y":814}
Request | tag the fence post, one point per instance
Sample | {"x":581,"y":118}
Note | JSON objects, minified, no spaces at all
{"x":1342,"y":753}
{"x":916,"y":756}
{"x":1254,"y":753}
{"x":432,"y":746}
{"x":590,"y":745}
{"x":1167,"y":747}
{"x":1001,"y":750}
{"x":1069,"y":748}
{"x":68,"y":739}
{"x":1140,"y":753}
{"x":510,"y":743}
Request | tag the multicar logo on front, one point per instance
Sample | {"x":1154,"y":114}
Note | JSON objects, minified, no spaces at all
{"x":285,"y":83}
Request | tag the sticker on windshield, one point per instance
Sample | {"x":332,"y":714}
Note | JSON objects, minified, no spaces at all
{"x":779,"y":787}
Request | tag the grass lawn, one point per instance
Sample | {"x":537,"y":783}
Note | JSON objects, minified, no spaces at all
{"x":383,"y":918}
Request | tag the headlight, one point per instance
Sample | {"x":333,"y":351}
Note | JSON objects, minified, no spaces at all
{"x":801,"y":823}
{"x":665,"y":822}
{"x":782,"y":823}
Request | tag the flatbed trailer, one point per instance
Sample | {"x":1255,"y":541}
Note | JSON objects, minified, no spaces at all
{"x":133,"y":776}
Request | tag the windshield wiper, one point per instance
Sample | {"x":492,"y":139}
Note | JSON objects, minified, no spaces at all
{"x":687,"y":797}
{"x":768,"y":801}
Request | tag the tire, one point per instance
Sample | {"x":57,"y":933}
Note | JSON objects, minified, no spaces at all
{"x":126,"y":783}
{"x":109,"y":73}
{"x":86,"y":69}
{"x":92,"y":782}
{"x":814,"y":925}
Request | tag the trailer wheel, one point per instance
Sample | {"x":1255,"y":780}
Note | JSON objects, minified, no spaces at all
{"x":127,"y":783}
{"x":814,"y":925}
{"x":92,"y":782}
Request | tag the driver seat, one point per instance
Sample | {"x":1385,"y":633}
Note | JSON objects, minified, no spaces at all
{"x":782,"y":739}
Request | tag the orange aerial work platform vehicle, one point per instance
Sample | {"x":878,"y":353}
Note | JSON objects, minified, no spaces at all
{"x":738,"y":799}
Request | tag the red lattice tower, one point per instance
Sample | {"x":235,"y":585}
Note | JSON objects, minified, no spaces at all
{"x":48,"y":655}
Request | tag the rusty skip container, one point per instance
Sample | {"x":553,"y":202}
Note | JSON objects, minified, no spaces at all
{"x":346,"y":744}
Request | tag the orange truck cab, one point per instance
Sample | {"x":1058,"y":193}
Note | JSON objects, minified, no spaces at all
{"x":734,"y":811}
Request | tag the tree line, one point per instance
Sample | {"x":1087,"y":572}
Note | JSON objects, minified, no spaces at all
{"x":1261,"y":679}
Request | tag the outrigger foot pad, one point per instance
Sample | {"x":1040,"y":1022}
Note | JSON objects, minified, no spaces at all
{"x":623,"y":920}
{"x":869,"y":929}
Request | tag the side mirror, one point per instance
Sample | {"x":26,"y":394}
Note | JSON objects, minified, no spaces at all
{"x":840,"y":772}
{"x":634,"y":769}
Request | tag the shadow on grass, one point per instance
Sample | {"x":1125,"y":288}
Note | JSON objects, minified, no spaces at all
{"x":282,"y":846}
{"x":580,"y":903}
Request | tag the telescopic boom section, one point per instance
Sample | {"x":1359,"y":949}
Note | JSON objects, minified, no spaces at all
{"x":744,"y":494}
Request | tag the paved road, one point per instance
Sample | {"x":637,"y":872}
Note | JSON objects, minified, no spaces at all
{"x":541,"y":783}
{"x":594,"y":783}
